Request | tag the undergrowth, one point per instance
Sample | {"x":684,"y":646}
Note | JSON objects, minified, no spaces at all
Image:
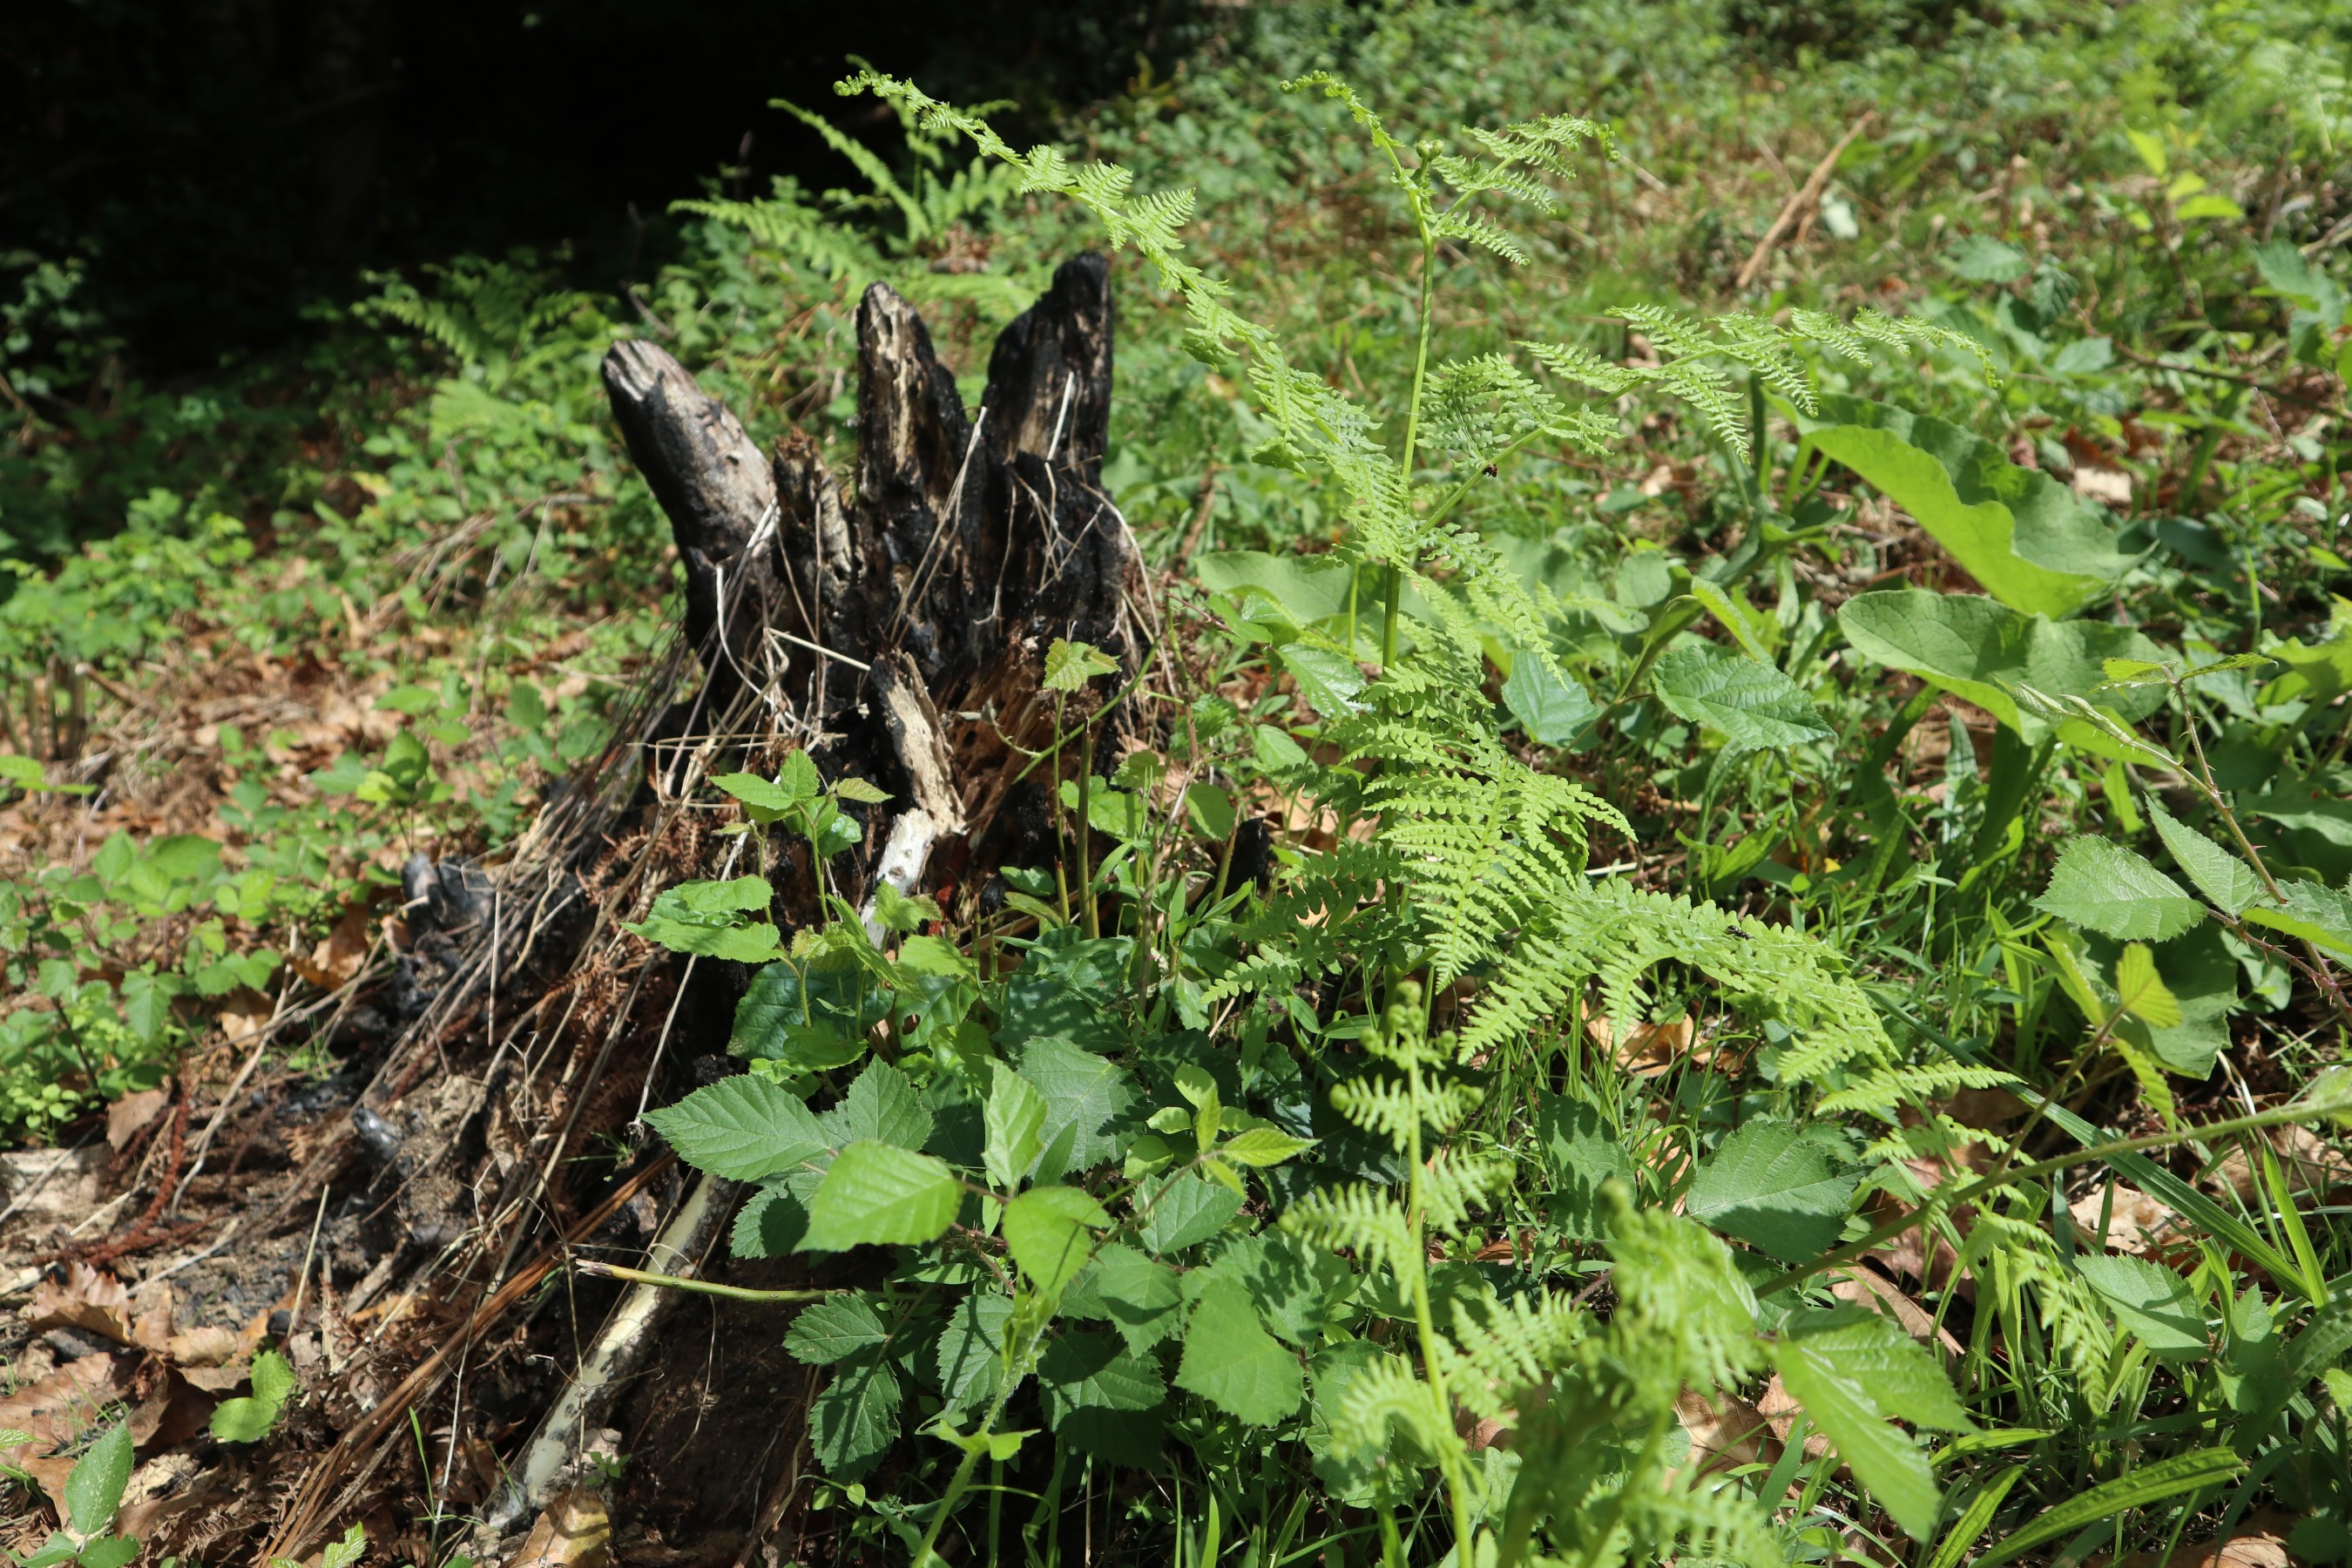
{"x":1790,"y":1008}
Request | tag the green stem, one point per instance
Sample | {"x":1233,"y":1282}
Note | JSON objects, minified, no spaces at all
{"x":696,"y":1287}
{"x":1086,"y":833}
{"x":2284,"y":1116}
{"x":1412,"y":423}
{"x":1424,"y":1320}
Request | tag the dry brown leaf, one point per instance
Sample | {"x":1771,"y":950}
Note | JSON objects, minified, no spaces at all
{"x":1726,"y":1431}
{"x":129,"y":1116}
{"x":90,"y":1299}
{"x":575,"y":1532}
{"x":1780,"y":1410}
{"x":2136,"y":1223}
{"x":332,"y":964}
{"x":2263,"y":1545}
{"x":58,"y":1409}
{"x":205,"y":1348}
{"x":1865,"y":1288}
{"x":2110,"y":487}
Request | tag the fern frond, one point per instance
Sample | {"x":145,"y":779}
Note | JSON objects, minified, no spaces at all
{"x":1385,"y":1402}
{"x":1478,"y":229}
{"x":1454,"y":1183}
{"x":1357,"y":1217}
{"x":1501,"y":1349}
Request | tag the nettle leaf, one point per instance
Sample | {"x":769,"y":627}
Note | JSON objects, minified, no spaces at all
{"x":883,"y":1105}
{"x":856,"y":1419}
{"x":2225,"y":879}
{"x":1769,"y":1184}
{"x":881,"y":1195}
{"x":1138,"y":1296}
{"x":1047,"y":1230}
{"x":1581,"y":1154}
{"x":1232,"y":1361}
{"x":834,"y":1329}
{"x":773,"y":1219}
{"x":1980,"y":651}
{"x":2022,"y":534}
{"x":1882,"y":1457}
{"x":2103,"y":887}
{"x":2150,"y":1300}
{"x":1752,"y":704}
{"x":1015,"y":1118}
{"x":1087,"y":1099}
{"x":743,"y":1128}
{"x":1183,"y":1211}
{"x":1553,"y":711}
{"x":1901,"y":1376}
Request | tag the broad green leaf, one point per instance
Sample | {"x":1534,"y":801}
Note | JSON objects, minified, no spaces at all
{"x":2142,"y":991}
{"x":1262,"y":1146}
{"x":1232,"y":1361}
{"x":1210,"y":810}
{"x":743,"y":1128}
{"x":2224,"y":877}
{"x":814,"y":1018}
{"x":1094,"y":1372}
{"x":1896,"y":1373}
{"x":881,"y":1195}
{"x":1302,"y":589}
{"x":1070,"y":665}
{"x":1015,"y":1118}
{"x":1581,"y":1154}
{"x":1754,"y":706}
{"x":969,"y":1354}
{"x":1087,"y":1098}
{"x":763,"y":800}
{"x":249,"y":1419}
{"x":1138,"y":1296}
{"x":1329,"y":682}
{"x":346,"y":1552}
{"x":862,"y":791}
{"x":883,"y":1105}
{"x":1882,"y":1457}
{"x":1553,"y":711}
{"x":1293,"y":1285}
{"x":94,"y":1487}
{"x":836,"y":1329}
{"x":1047,"y":1230}
{"x":2297,"y":805}
{"x":2316,"y":673}
{"x":2103,"y":887}
{"x":2025,"y":536}
{"x":773,"y":1219}
{"x":2312,"y":910}
{"x":1976,"y":650}
{"x":2150,"y":1300}
{"x":1746,"y":628}
{"x":2144,"y":1484}
{"x":1184,"y":1212}
{"x":856,"y":1419}
{"x":121,"y":1551}
{"x":1768,"y":1184}
{"x":705,"y":919}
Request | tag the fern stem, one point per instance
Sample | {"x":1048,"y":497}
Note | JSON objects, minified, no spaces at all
{"x":1424,"y":1320}
{"x":1411,"y":417}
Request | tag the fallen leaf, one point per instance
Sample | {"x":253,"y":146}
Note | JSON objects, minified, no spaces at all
{"x":2109,"y":487}
{"x":332,"y":964}
{"x":575,"y":1532}
{"x":1865,"y":1288}
{"x":56,"y":1410}
{"x":2137,"y":1223}
{"x":1726,"y":1431}
{"x":2263,"y":1546}
{"x":90,"y":1299}
{"x":129,"y":1116}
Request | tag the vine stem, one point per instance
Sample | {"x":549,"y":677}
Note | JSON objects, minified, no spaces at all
{"x":695,"y":1287}
{"x":2284,"y":1116}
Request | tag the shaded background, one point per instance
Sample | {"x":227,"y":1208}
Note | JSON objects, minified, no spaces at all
{"x":217,"y":164}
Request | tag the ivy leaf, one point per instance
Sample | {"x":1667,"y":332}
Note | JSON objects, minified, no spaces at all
{"x":743,"y":1128}
{"x":1882,"y":1457}
{"x":2106,"y":888}
{"x":1769,"y":1184}
{"x":881,"y":1195}
{"x":1184,"y":1212}
{"x":2227,"y":881}
{"x":1754,"y":706}
{"x":1232,"y":1361}
{"x":1046,"y":1227}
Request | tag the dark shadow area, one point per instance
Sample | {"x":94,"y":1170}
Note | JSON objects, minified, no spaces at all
{"x":218,"y":165}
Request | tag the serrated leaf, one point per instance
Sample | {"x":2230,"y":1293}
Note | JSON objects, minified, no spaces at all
{"x":1769,"y":1184}
{"x":743,"y":1128}
{"x":773,"y":1219}
{"x":1015,"y":1118}
{"x":1754,"y":706}
{"x":860,"y":791}
{"x":1581,"y":1154}
{"x":1094,"y":1372}
{"x":2106,"y":888}
{"x":883,"y":1105}
{"x":2150,"y":1300}
{"x":1138,"y":1296}
{"x":2142,"y":991}
{"x":2314,"y":912}
{"x":1896,"y":1373}
{"x":856,"y":1419}
{"x":1230,"y":1361}
{"x":1086,"y":1099}
{"x":1884,"y":1458}
{"x":1046,"y":1228}
{"x":1184,"y":1212}
{"x":834,"y":1329}
{"x":2225,"y":879}
{"x":881,"y":1195}
{"x":969,"y":1354}
{"x":94,"y":1487}
{"x":1070,"y":665}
